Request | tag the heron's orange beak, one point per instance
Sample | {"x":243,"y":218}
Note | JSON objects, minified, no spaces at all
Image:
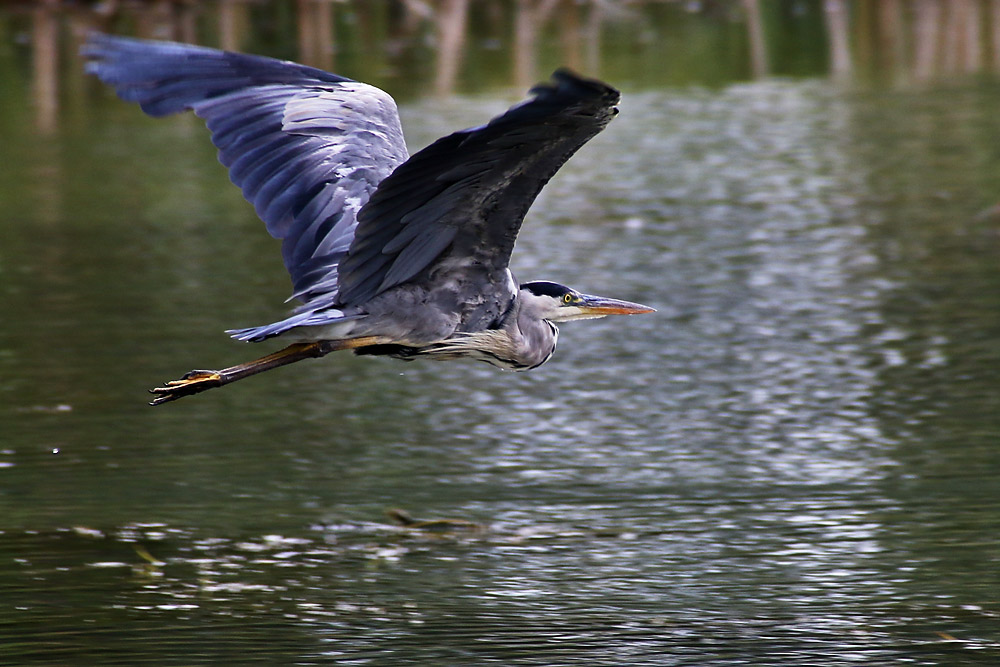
{"x":599,"y":306}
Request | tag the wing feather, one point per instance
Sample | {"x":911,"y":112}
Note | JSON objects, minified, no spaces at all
{"x":306,"y":147}
{"x":323,"y":161}
{"x":462,"y":199}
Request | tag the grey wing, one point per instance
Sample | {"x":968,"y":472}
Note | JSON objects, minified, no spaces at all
{"x":307,"y":148}
{"x":461,"y":200}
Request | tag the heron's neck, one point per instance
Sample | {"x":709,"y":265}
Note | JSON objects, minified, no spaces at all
{"x":532,"y":336}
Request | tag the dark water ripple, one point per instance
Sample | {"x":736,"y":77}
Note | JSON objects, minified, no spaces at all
{"x":794,"y":462}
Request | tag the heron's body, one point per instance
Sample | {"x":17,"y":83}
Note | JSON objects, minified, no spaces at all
{"x":502,"y":332}
{"x":390,"y":254}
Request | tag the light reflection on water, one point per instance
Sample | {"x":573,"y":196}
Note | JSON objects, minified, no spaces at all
{"x":722,"y":483}
{"x":822,"y":595}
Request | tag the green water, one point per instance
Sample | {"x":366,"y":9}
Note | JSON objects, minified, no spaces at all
{"x":795,"y":461}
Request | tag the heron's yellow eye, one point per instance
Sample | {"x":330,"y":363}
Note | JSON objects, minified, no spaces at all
{"x":568,"y":298}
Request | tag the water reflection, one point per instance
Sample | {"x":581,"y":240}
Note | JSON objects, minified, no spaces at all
{"x":822,"y":594}
{"x":795,"y":462}
{"x":716,"y":485}
{"x":904,"y":42}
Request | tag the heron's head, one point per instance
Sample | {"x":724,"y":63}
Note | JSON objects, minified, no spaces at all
{"x":558,"y":303}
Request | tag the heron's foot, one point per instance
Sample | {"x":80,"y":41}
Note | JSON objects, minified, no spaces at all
{"x":193,"y":382}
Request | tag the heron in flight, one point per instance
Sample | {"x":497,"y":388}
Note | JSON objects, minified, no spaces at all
{"x":389,"y":254}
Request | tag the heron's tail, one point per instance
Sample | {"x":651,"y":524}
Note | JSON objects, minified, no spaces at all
{"x":323,"y":318}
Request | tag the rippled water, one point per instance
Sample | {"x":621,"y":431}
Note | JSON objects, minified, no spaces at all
{"x":794,"y":462}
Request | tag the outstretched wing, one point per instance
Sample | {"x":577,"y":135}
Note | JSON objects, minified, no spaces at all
{"x":461,"y":200}
{"x":308,"y":148}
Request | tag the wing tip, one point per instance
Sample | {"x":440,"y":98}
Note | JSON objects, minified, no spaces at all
{"x":565,"y":80}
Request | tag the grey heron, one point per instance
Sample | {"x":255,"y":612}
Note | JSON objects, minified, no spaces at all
{"x":389,"y":254}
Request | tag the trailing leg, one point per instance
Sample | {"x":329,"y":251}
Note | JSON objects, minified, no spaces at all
{"x":198,"y":381}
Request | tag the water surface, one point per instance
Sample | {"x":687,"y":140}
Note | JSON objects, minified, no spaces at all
{"x":794,"y":461}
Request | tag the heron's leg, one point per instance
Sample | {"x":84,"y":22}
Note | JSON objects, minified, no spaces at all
{"x":196,"y":382}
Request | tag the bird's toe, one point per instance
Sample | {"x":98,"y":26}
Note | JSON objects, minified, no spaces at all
{"x":192,"y":382}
